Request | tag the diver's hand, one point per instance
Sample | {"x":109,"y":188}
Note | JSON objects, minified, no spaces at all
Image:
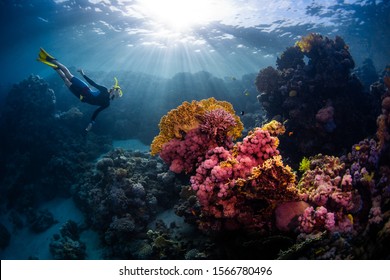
{"x":89,"y":127}
{"x":81,"y":71}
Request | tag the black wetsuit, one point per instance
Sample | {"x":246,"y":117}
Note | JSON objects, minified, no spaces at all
{"x":99,"y":97}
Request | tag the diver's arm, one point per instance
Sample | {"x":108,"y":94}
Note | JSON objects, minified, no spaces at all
{"x":94,"y":116}
{"x":97,"y":111}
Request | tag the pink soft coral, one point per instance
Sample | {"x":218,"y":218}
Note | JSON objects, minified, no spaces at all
{"x":327,"y":186}
{"x":213,"y":131}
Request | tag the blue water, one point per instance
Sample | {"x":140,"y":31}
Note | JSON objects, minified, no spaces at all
{"x":163,"y":53}
{"x":229,"y":38}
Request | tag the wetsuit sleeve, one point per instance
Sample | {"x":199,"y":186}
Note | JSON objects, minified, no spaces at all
{"x":97,"y":111}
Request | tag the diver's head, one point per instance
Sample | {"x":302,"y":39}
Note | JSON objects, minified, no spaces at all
{"x":116,"y":90}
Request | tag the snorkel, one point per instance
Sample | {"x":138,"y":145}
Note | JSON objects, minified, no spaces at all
{"x":117,"y":88}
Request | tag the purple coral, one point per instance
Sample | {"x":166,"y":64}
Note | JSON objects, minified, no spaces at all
{"x":216,"y":124}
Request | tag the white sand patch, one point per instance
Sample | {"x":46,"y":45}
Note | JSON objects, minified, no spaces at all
{"x":131,"y":144}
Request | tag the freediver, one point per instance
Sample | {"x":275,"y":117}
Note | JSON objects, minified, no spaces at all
{"x":100,"y":97}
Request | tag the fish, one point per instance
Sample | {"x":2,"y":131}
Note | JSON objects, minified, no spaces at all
{"x":242,"y":113}
{"x":246,"y":92}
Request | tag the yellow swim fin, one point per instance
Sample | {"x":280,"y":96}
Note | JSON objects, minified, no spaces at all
{"x":55,"y":66}
{"x":44,"y":55}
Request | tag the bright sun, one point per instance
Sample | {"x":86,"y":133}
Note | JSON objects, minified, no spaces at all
{"x":180,"y":14}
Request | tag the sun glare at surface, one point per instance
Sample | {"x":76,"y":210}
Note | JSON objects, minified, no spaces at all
{"x":181,"y":15}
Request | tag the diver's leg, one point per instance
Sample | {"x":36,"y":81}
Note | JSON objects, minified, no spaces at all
{"x":64,"y":70}
{"x":63,"y":77}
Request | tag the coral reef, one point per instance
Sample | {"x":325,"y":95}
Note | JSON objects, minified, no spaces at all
{"x":122,"y":195}
{"x":178,"y":122}
{"x":328,"y":188}
{"x":39,"y":143}
{"x":236,"y":186}
{"x":66,"y":245}
{"x":292,"y":57}
{"x":311,"y":98}
{"x":383,"y":120}
{"x":182,"y":145}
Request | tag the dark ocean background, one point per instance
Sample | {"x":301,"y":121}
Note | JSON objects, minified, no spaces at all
{"x":66,"y":194}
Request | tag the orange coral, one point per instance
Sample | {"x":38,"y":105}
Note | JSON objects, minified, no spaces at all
{"x":186,"y":117}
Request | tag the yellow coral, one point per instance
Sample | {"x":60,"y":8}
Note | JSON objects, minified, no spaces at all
{"x":304,"y":165}
{"x":368,"y":177}
{"x":228,"y":163}
{"x":274,"y":128}
{"x":272,"y":182}
{"x":179,"y":121}
{"x":284,"y":172}
{"x":306,"y":43}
